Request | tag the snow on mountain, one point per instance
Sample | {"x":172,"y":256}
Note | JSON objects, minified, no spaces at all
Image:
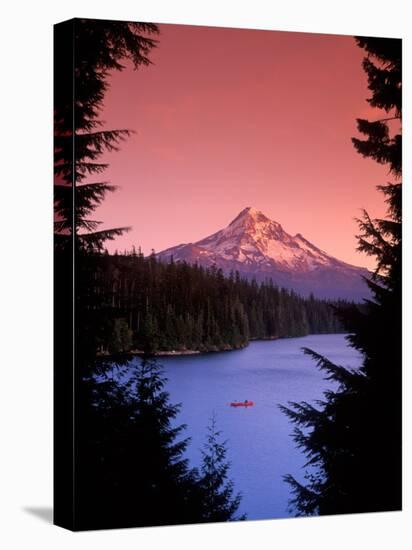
{"x":260,"y":248}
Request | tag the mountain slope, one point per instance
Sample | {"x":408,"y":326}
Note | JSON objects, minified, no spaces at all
{"x":259,"y":248}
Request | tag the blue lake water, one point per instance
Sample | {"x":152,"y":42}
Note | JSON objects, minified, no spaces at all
{"x":260,"y":447}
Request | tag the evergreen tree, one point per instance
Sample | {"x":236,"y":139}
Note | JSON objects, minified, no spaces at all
{"x":133,"y":460}
{"x":353,"y":440}
{"x":219,"y":501}
{"x":120,"y":339}
{"x":88,"y":50}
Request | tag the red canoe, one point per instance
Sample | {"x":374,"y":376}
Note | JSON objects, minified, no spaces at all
{"x":242,"y":404}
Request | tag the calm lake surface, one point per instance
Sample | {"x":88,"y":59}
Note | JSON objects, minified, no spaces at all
{"x":260,"y":447}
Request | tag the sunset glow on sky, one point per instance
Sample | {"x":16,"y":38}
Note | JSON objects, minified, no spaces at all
{"x":229,"y":118}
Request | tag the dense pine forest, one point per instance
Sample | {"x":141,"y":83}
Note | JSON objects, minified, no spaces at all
{"x":155,"y":306}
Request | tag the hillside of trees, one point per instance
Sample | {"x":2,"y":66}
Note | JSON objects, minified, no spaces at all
{"x":155,"y":306}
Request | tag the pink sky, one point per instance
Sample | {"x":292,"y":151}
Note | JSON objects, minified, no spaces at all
{"x":229,"y":118}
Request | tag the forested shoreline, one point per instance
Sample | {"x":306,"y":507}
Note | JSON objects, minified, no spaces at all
{"x":149,"y":305}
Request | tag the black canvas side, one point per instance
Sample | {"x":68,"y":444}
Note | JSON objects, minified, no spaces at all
{"x":64,"y":375}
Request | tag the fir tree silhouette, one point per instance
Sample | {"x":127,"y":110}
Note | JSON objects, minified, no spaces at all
{"x":219,"y":501}
{"x":133,"y":466}
{"x":87,"y":51}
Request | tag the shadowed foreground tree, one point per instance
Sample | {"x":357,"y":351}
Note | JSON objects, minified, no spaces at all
{"x":219,"y":501}
{"x":135,"y":469}
{"x":133,"y":464}
{"x":353,"y":438}
{"x":88,"y":50}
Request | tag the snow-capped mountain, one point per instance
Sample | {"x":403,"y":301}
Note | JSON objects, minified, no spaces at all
{"x":260,"y":248}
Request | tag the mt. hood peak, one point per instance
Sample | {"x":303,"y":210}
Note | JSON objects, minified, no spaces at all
{"x":260,"y":248}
